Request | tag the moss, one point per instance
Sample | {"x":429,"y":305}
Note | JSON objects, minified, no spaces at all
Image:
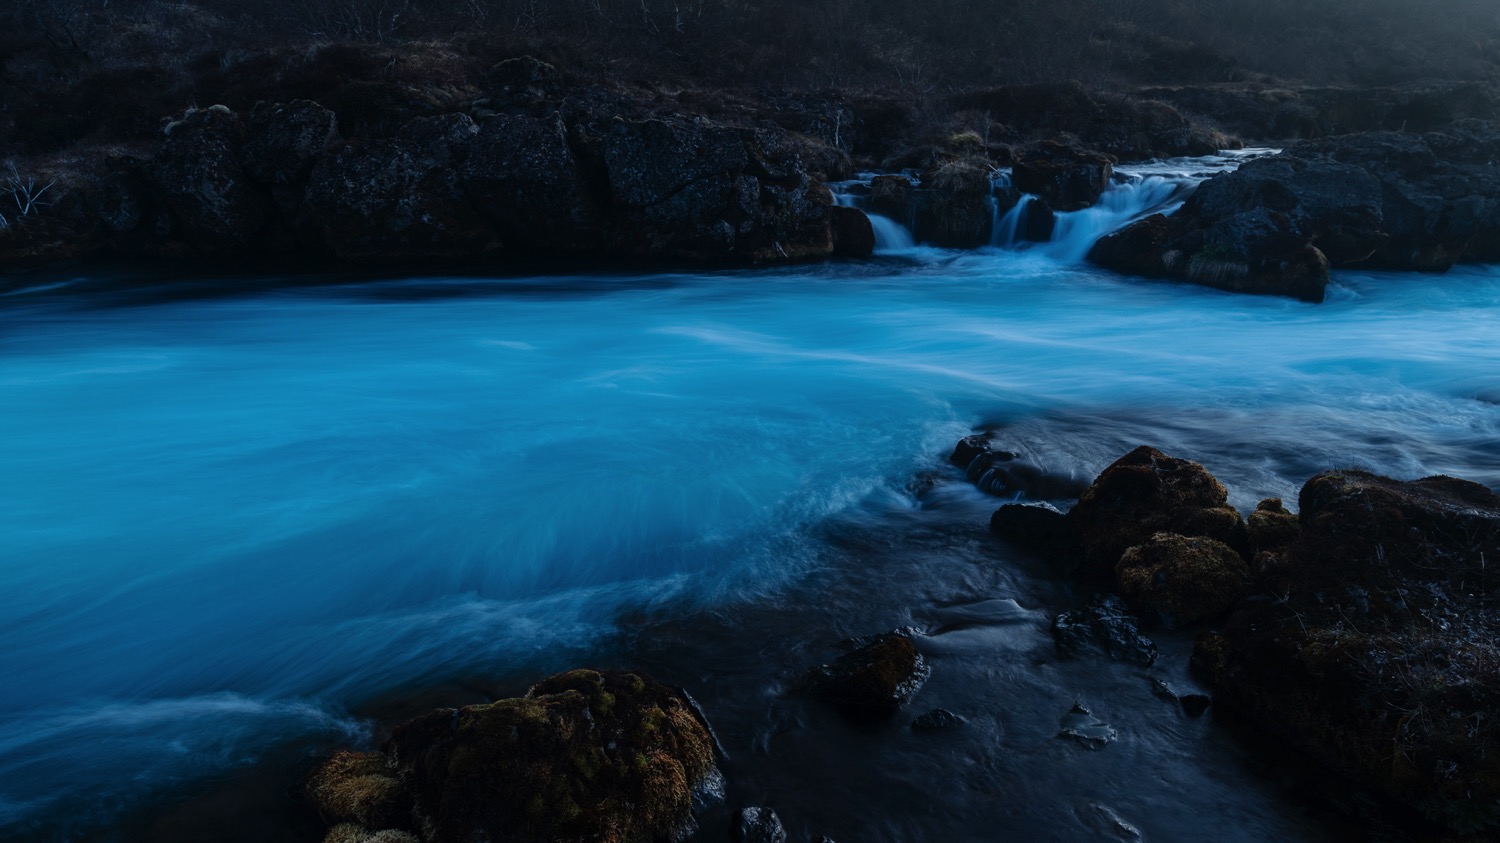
{"x":1182,"y":580}
{"x":586,"y":754}
{"x":359,"y":787}
{"x":875,"y":679}
{"x":1271,"y":526}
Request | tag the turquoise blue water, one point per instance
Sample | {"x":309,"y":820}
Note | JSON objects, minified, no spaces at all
{"x":228,"y":521}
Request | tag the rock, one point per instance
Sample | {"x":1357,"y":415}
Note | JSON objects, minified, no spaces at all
{"x":353,"y":833}
{"x":399,"y":198}
{"x":1037,"y":526}
{"x":1374,"y":649}
{"x":953,"y":206}
{"x":197,"y":171}
{"x":1147,"y":492}
{"x":598,"y":755}
{"x":522,"y":175}
{"x":874,"y":680}
{"x":1082,"y":726}
{"x":1195,"y":704}
{"x":891,"y":196}
{"x":1271,"y":526}
{"x":971,"y":447}
{"x":360,"y":788}
{"x":759,"y":825}
{"x":1179,"y":581}
{"x":853,"y":236}
{"x":937,"y":719}
{"x":1004,"y":474}
{"x":1104,"y":625}
{"x":522,"y":79}
{"x":1065,"y":177}
{"x":284,"y":140}
{"x":1276,"y":225}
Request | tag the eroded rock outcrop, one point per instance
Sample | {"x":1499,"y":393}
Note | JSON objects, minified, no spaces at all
{"x":1276,"y":225}
{"x":584,"y":755}
{"x":873,"y":680}
{"x":1372,"y":642}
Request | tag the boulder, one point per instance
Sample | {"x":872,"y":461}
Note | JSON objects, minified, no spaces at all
{"x":853,"y":236}
{"x":1374,"y":646}
{"x":891,"y":196}
{"x":1040,"y":527}
{"x":1177,"y":580}
{"x":1065,"y":177}
{"x":522,"y":175}
{"x":1105,"y":625}
{"x":399,"y":198}
{"x":584,"y":755}
{"x":953,"y":208}
{"x":874,"y":680}
{"x":1147,"y":492}
{"x":285,"y":139}
{"x":759,"y":825}
{"x":1271,"y":526}
{"x":218,"y":209}
{"x":1276,"y":225}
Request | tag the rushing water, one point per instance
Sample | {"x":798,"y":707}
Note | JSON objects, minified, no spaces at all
{"x":230,"y":522}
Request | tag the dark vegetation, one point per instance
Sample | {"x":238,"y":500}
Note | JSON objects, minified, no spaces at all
{"x":110,"y":70}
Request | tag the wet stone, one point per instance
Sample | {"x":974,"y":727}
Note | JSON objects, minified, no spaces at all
{"x":1104,"y":625}
{"x":935,"y":720}
{"x":1082,"y":726}
{"x":759,"y":825}
{"x":1195,"y":704}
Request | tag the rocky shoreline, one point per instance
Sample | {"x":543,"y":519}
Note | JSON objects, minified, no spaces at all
{"x":534,"y":164}
{"x":1357,"y":633}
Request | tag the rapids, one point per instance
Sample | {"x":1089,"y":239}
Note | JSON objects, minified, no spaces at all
{"x":236,"y":523}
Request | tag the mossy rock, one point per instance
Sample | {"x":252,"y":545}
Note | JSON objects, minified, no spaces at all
{"x":585,"y":755}
{"x":1271,"y":526}
{"x":605,"y":756}
{"x":874,"y":680}
{"x":1183,"y":580}
{"x":1147,"y":492}
{"x":360,"y":788}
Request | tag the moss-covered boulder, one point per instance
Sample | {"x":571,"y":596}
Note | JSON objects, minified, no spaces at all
{"x":1271,"y":526}
{"x":1065,"y":177}
{"x":1147,"y":492}
{"x":607,"y":756}
{"x":1179,"y":580}
{"x":874,"y":680}
{"x":953,"y":207}
{"x":1374,"y":645}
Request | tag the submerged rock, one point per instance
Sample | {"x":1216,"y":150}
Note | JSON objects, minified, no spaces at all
{"x":937,"y":719}
{"x":1147,"y":492}
{"x":597,"y":755}
{"x":1374,"y":648}
{"x":1180,"y":580}
{"x":874,"y":680}
{"x":1082,"y":726}
{"x":1104,"y":625}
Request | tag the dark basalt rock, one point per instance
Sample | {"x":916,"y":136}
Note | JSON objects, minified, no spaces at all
{"x":1065,"y":177}
{"x":1104,"y":625}
{"x":853,"y":236}
{"x":953,"y":206}
{"x":522,"y":175}
{"x":937,"y":719}
{"x":1178,"y":580}
{"x":874,"y":680}
{"x":596,"y":755}
{"x":286,"y":138}
{"x":1039,"y":526}
{"x":759,"y":825}
{"x":1373,"y":647}
{"x":198,"y":174}
{"x":1082,"y":726}
{"x":1147,"y":492}
{"x":1386,"y":199}
{"x":891,"y":196}
{"x":1005,"y":474}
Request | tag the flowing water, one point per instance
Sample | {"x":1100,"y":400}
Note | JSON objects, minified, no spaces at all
{"x":238,"y":528}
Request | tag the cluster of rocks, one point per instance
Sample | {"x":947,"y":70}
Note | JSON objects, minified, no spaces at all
{"x":281,"y":181}
{"x":1362,"y":630}
{"x":1395,"y":200}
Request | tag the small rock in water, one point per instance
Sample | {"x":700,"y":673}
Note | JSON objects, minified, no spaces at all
{"x":1195,"y":704}
{"x":1103,"y":624}
{"x":938,"y":718}
{"x":874,"y":680}
{"x":1087,"y":729}
{"x":1109,"y":821}
{"x":759,"y":825}
{"x":1163,"y":690}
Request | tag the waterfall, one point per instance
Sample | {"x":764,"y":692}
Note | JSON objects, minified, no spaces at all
{"x":1008,"y":228}
{"x":890,"y":236}
{"x":1077,"y":231}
